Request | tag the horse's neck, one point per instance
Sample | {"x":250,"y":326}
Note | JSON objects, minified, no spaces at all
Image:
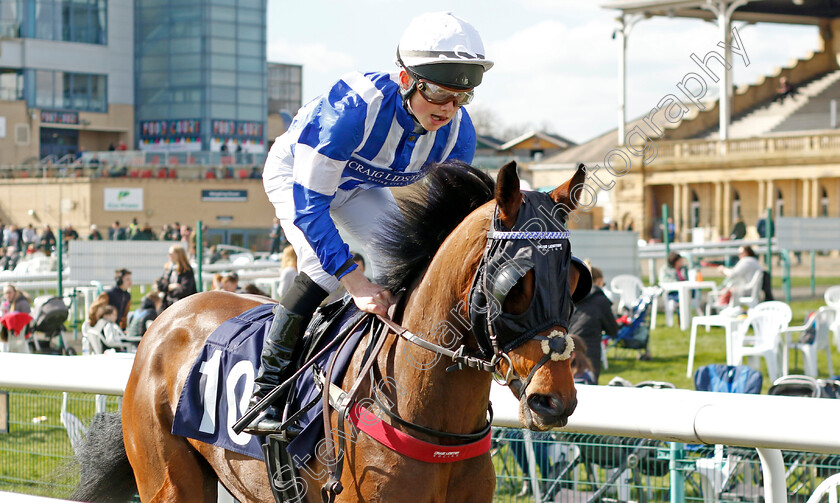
{"x":450,"y":401}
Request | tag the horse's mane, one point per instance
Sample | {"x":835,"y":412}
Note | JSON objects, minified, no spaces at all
{"x":427,"y":215}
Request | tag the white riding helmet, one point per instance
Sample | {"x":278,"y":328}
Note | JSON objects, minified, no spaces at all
{"x":443,"y":49}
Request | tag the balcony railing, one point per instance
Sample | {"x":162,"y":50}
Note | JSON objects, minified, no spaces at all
{"x":700,"y":151}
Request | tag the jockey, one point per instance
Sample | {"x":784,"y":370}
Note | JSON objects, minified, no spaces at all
{"x":339,"y":156}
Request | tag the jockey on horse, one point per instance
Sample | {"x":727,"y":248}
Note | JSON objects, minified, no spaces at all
{"x":338,"y":158}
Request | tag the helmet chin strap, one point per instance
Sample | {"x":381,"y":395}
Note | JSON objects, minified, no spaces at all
{"x":406,"y":96}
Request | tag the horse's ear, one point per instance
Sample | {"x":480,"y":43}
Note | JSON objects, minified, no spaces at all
{"x":563,"y":193}
{"x":508,"y":196}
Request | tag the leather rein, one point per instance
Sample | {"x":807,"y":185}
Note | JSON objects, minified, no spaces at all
{"x":556,"y":346}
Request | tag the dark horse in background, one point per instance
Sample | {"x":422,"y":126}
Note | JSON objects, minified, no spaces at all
{"x":437,"y":248}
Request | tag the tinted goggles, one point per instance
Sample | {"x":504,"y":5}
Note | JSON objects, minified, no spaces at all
{"x":438,"y":95}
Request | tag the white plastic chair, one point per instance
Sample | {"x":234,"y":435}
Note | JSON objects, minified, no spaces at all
{"x":832,"y":300}
{"x":821,"y":322}
{"x":828,"y":486}
{"x":628,"y":288}
{"x":768,"y":321}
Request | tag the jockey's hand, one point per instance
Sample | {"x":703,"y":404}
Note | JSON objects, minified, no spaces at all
{"x":369,"y":297}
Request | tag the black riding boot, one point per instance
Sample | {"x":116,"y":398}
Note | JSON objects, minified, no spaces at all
{"x":278,"y":347}
{"x":290,"y":320}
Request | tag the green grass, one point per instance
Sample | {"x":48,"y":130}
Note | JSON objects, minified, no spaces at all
{"x":669,"y":351}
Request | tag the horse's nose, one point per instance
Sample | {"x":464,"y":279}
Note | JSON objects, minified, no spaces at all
{"x":551,"y":405}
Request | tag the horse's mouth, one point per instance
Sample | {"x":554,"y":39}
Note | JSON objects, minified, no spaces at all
{"x":533,"y":418}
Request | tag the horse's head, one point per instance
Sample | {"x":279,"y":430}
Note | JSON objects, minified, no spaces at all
{"x":527,"y":282}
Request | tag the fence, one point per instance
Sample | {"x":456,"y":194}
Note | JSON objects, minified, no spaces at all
{"x":804,"y":427}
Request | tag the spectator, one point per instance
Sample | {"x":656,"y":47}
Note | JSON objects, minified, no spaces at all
{"x":94,"y":235}
{"x":784,"y":90}
{"x":276,"y":236}
{"x":147,"y":312}
{"x":165,"y":233}
{"x":144,"y":233}
{"x":592,"y":317}
{"x":123,"y":147}
{"x":115,"y":232}
{"x":133,"y":228}
{"x":11,"y":237}
{"x":673,"y":269}
{"x":14,"y":301}
{"x":28,"y":236}
{"x":763,"y":228}
{"x":178,"y":279}
{"x":742,"y":273}
{"x":229,"y":282}
{"x":113,"y":336}
{"x":96,"y":307}
{"x":70,"y":234}
{"x":739,"y":230}
{"x":582,"y":368}
{"x":120,"y":295}
{"x":253,"y":290}
{"x":288,"y":270}
{"x":47,"y":240}
{"x":216,"y":284}
{"x":9,"y":261}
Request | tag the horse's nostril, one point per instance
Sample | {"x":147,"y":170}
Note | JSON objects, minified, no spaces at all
{"x":546,"y":405}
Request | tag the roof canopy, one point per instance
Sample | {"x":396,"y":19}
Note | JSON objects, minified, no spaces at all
{"x":766,"y":11}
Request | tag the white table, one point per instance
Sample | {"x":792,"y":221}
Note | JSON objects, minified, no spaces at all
{"x":729,"y":323}
{"x":684,"y":289}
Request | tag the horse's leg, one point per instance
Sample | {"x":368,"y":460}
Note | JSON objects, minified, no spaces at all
{"x":166,"y":467}
{"x":244,"y":477}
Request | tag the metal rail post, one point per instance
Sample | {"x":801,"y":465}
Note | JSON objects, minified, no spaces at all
{"x":199,"y":253}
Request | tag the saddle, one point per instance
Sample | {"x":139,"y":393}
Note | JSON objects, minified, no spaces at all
{"x":341,"y":326}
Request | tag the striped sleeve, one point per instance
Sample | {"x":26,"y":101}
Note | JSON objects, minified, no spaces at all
{"x":334,"y":129}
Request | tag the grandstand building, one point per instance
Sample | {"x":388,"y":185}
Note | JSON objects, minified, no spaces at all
{"x":66,"y":77}
{"x":783,"y":155}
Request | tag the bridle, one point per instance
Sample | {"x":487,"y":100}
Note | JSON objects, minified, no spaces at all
{"x":493,"y":341}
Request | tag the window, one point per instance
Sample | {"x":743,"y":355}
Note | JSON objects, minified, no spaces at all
{"x":11,"y":84}
{"x":70,"y":91}
{"x":83,"y":21}
{"x":9,"y":19}
{"x":824,"y":203}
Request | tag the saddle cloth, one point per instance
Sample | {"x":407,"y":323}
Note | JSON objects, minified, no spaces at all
{"x":219,"y":384}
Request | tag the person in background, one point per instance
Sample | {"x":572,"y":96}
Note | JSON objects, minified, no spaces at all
{"x":744,"y":271}
{"x":216,"y":284}
{"x":254,"y":290}
{"x":593,"y":317}
{"x":145,"y":313}
{"x":94,"y":235}
{"x":229,"y":282}
{"x":48,"y":240}
{"x":115,"y":232}
{"x":739,"y":230}
{"x":95,"y":311}
{"x":165,"y":233}
{"x":276,"y":236}
{"x":288,"y":272}
{"x":119,"y":295}
{"x":14,"y":301}
{"x":178,"y":279}
{"x":582,"y":368}
{"x":113,"y":336}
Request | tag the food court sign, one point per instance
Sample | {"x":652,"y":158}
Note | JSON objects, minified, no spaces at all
{"x":123,"y":199}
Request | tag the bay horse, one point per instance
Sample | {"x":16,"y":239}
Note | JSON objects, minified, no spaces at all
{"x":439,"y":264}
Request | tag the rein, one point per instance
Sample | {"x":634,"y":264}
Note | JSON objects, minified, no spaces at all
{"x":556,"y":346}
